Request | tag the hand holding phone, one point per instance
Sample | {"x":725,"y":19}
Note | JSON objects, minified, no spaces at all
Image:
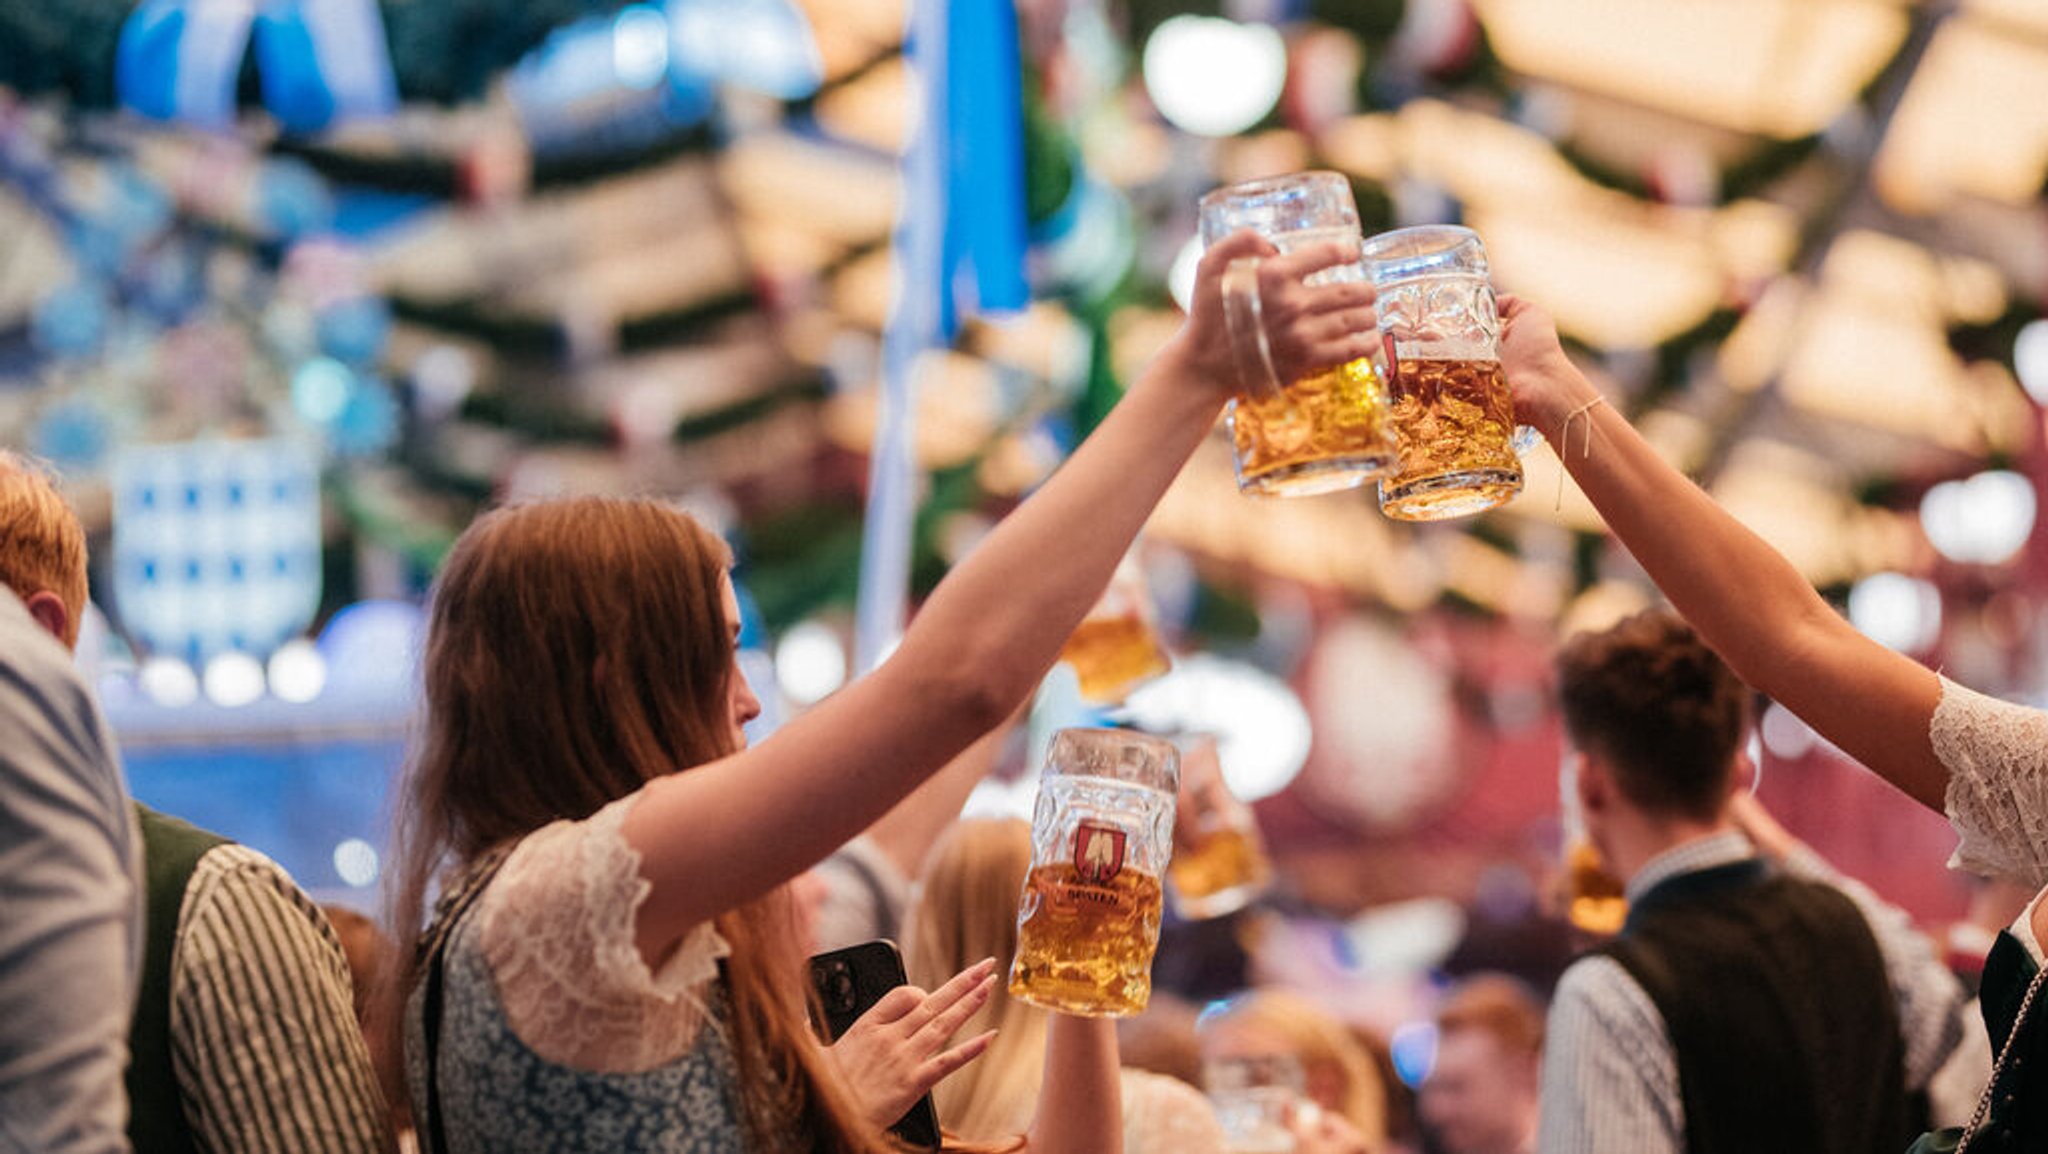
{"x":890,"y":1038}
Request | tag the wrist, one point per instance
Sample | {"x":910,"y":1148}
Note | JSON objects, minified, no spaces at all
{"x":1199,"y":383}
{"x":1558,"y":394}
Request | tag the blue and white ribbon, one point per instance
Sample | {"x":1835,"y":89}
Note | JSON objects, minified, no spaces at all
{"x":320,"y":61}
{"x":960,"y":242}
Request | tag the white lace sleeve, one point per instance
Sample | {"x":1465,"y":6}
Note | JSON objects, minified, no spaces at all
{"x":1996,"y":754}
{"x":556,"y":927}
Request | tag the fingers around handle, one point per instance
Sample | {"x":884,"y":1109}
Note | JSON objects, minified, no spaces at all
{"x":1303,"y":262}
{"x":1251,"y":349}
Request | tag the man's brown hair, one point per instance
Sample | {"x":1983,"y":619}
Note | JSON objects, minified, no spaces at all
{"x":42,"y":545}
{"x":1659,"y":708}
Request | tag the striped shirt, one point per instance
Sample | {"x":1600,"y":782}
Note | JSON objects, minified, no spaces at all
{"x":1610,"y":1078}
{"x":265,"y":1045}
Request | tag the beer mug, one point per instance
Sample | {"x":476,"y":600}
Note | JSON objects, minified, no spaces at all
{"x":1219,"y":860}
{"x":1255,"y":1097}
{"x":1453,"y":418}
{"x":1324,"y":432}
{"x":1594,"y":900}
{"x":1116,"y":648}
{"x":1088,"y":920}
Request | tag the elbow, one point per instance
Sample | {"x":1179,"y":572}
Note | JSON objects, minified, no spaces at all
{"x":984,"y":702}
{"x":970,"y":693}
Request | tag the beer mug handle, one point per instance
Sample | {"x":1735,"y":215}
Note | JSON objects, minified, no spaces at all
{"x":1249,"y":346}
{"x":1525,"y":440}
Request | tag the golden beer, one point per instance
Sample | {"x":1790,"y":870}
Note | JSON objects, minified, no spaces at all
{"x":1593,"y":898}
{"x":1454,"y":423}
{"x":1321,"y":434}
{"x":1084,"y":942}
{"x":1216,"y":870}
{"x":1114,"y":655}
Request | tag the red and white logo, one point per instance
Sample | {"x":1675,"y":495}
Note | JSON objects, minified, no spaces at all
{"x":1098,"y":851}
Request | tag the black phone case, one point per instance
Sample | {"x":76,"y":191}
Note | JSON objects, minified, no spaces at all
{"x":849,"y":982}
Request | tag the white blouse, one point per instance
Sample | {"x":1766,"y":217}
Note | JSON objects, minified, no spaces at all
{"x":556,"y":926}
{"x":1996,"y":754}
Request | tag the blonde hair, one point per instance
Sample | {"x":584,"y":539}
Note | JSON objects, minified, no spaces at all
{"x":966,"y":910}
{"x":1342,"y":1075}
{"x":42,"y":545}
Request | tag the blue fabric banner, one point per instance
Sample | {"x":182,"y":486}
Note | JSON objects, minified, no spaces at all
{"x":960,"y":245}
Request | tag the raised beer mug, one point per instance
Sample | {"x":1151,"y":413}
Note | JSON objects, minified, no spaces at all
{"x":1594,"y":899}
{"x":1324,"y":432}
{"x":1453,"y":417}
{"x":1088,"y":920}
{"x":1116,"y":648}
{"x":1219,"y":858}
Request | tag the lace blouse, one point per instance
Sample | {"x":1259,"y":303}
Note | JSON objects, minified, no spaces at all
{"x":1996,"y":754}
{"x":556,"y":927}
{"x":555,"y":1035}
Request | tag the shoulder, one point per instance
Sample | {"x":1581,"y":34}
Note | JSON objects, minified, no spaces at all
{"x":1597,"y":996}
{"x":240,"y":902}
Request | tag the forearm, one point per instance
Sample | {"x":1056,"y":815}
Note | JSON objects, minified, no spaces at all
{"x":1003,"y":614}
{"x":1746,"y":600}
{"x":983,"y":639}
{"x":1080,"y":1102}
{"x":906,"y":832}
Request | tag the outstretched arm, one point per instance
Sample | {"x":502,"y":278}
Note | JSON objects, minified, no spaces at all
{"x":1080,"y":1102}
{"x":1746,"y":600}
{"x":719,"y":835}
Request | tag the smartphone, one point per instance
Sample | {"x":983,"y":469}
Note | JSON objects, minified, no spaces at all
{"x":849,"y":982}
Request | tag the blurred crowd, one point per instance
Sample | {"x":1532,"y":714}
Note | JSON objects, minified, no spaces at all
{"x":610,"y":912}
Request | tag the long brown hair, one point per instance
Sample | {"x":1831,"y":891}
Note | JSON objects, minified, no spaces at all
{"x":576,"y":650}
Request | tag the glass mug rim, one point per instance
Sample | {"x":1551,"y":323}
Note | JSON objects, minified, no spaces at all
{"x":1223,"y":194}
{"x":1217,"y":209}
{"x":1423,"y":250}
{"x":1160,"y":770}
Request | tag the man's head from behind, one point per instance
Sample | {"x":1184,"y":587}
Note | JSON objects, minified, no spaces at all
{"x":1657,"y":716}
{"x":1482,"y":1092}
{"x":42,"y":548}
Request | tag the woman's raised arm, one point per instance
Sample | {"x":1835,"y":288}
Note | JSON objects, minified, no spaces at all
{"x":1745,"y":599}
{"x":1080,"y":1102}
{"x":715,"y":837}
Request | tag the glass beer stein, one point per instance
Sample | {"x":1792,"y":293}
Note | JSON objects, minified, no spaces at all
{"x":1088,"y":920}
{"x":1325,"y":432}
{"x":1254,"y":1097}
{"x":1116,"y":648}
{"x":1453,"y":418}
{"x":1594,"y":899}
{"x":1219,"y":860}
